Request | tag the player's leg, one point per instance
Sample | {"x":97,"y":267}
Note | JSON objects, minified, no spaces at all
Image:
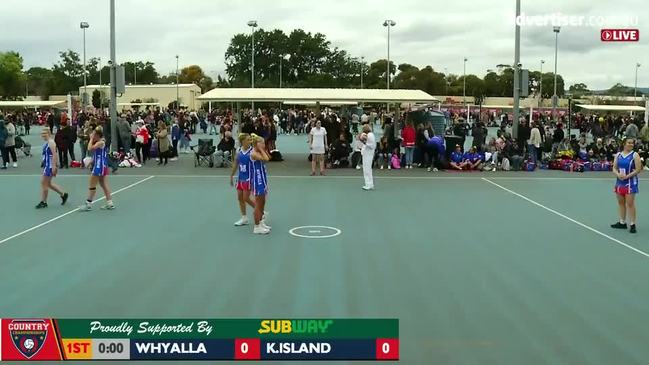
{"x":243,"y":196}
{"x":103,"y":182}
{"x":59,"y":190}
{"x":92,"y":189}
{"x":631,"y":211}
{"x":260,"y":202}
{"x":621,"y":205}
{"x":45,"y":184}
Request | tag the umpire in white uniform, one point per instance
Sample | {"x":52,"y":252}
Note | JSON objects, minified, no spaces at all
{"x":367,"y":151}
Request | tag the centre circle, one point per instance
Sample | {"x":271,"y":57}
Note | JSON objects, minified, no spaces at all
{"x":314,"y":232}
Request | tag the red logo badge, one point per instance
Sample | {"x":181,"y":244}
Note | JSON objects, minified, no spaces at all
{"x":620,"y":35}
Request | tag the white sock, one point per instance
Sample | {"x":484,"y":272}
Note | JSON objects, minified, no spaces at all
{"x":622,"y":221}
{"x":632,"y":223}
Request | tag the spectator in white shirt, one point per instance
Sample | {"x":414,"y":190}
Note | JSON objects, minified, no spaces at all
{"x":369,"y":145}
{"x":534,"y":143}
{"x":318,"y":146}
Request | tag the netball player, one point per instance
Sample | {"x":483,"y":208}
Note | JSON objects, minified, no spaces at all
{"x":626,"y":166}
{"x":99,"y":175}
{"x":243,"y":164}
{"x":259,"y":182}
{"x":50,"y":169}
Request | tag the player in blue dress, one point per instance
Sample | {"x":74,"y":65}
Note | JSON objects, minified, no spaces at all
{"x":243,"y":164}
{"x":50,"y":169}
{"x":626,"y":166}
{"x":259,"y":182}
{"x":97,"y":149}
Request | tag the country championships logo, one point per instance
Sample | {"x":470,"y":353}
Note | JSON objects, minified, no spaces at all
{"x":28,"y":336}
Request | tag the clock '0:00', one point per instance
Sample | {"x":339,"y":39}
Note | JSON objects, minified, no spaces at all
{"x":110,"y":348}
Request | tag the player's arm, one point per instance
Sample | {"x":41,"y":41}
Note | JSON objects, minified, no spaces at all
{"x":638,"y":163}
{"x":325,"y":141}
{"x":235,"y":166}
{"x":259,"y":155}
{"x":615,"y":169}
{"x":55,"y":156}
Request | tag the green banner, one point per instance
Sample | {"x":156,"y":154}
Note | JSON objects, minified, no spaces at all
{"x":229,"y":328}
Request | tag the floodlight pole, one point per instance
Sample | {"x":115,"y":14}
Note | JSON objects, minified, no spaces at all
{"x":517,"y":61}
{"x":113,"y":80}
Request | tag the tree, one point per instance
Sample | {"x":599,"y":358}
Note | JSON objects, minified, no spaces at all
{"x":621,"y":90}
{"x":578,"y":90}
{"x":12,"y":80}
{"x":39,"y":81}
{"x":67,"y":75}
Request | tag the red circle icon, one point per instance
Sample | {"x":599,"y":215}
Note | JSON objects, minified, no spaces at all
{"x":607,"y":35}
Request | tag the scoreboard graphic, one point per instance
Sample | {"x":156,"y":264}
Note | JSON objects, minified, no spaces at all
{"x":47,"y":339}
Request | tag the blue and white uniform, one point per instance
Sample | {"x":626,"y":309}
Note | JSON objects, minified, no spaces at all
{"x":259,"y":178}
{"x":100,"y":159}
{"x":626,"y":165}
{"x":47,"y":159}
{"x":245,"y":168}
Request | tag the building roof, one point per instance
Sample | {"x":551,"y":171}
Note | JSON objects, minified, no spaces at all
{"x":31,"y":103}
{"x":313,"y":95}
{"x":106,"y":86}
{"x":322,"y":102}
{"x":619,"y":108}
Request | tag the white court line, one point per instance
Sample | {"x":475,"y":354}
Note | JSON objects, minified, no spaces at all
{"x":568,"y":218}
{"x":346,"y":177}
{"x":70,"y":212}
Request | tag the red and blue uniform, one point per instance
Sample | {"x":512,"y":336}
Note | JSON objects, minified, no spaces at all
{"x":100,"y":160}
{"x":245,"y":167}
{"x":472,"y":157}
{"x":47,"y":159}
{"x":260,"y":178}
{"x":626,"y":165}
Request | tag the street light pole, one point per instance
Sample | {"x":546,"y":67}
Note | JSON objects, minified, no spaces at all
{"x":177,"y":86}
{"x":517,"y":76}
{"x":635,"y":90}
{"x":362,"y":69}
{"x":464,"y":82}
{"x":388,"y":23}
{"x":134,"y":74}
{"x":113,"y":80}
{"x":541,"y":85}
{"x":253,"y":24}
{"x":101,"y":101}
{"x":84,"y":26}
{"x":555,"y":98}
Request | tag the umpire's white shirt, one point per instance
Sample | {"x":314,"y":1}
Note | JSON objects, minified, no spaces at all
{"x":370,"y":145}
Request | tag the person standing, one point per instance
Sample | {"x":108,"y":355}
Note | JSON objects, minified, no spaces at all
{"x":259,"y":183}
{"x":10,"y":142}
{"x":97,"y":148}
{"x":50,"y":169}
{"x":626,"y":167}
{"x":124,"y":134}
{"x":175,"y":138}
{"x":3,"y":139}
{"x":367,"y":152}
{"x":534,"y":143}
{"x":317,"y":146}
{"x":408,"y":135}
{"x":163,"y":143}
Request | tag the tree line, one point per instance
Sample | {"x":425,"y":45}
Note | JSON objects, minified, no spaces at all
{"x":298,"y":59}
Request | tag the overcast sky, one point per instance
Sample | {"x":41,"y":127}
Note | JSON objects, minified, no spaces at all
{"x":428,"y":32}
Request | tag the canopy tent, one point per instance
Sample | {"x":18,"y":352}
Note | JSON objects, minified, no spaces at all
{"x":317,"y":95}
{"x":137,"y":104}
{"x":30,"y":103}
{"x":612,"y":108}
{"x":323,"y":102}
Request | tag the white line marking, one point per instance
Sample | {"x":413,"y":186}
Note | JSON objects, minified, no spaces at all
{"x":70,"y":212}
{"x":314,"y":231}
{"x":352,"y":177}
{"x":569,"y":219}
{"x":334,"y":229}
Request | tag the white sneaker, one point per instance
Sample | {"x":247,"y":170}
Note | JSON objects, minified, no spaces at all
{"x":15,"y":164}
{"x":85,"y":207}
{"x":428,"y":169}
{"x":389,"y":167}
{"x":358,"y":167}
{"x":107,"y":207}
{"x":366,"y":188}
{"x":241,"y":222}
{"x":435,"y":169}
{"x":263,"y":224}
{"x":173,"y":159}
{"x":260,"y":230}
{"x":381,"y":168}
